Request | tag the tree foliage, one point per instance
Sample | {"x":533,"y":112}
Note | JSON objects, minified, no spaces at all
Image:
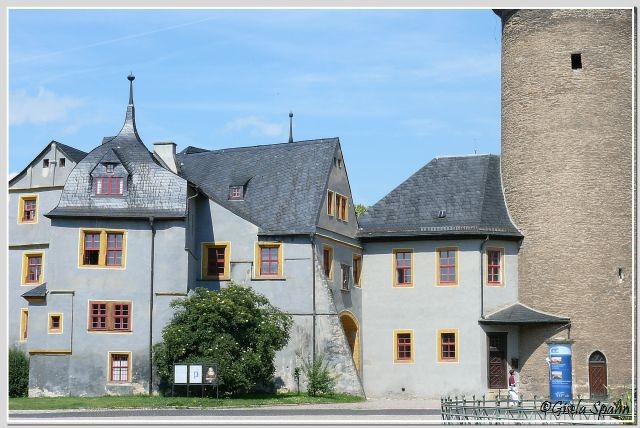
{"x":360,"y":209}
{"x":18,"y":373}
{"x":235,"y":327}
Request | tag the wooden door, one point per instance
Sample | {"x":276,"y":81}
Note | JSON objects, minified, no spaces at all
{"x":497,"y":359}
{"x":597,"y":375}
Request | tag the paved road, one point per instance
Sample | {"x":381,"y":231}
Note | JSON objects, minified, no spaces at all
{"x":371,"y":411}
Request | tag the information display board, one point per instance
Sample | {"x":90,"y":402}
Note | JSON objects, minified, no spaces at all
{"x":180,"y":374}
{"x":560,"y":381}
{"x":202,"y":375}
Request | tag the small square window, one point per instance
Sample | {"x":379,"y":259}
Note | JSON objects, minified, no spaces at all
{"x":45,"y":163}
{"x":62,"y":162}
{"x":269,"y":260}
{"x":55,"y":323}
{"x":110,"y":168}
{"x":576,"y":61}
{"x":236,"y":193}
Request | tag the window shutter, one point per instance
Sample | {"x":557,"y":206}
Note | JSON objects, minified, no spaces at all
{"x":121,"y":186}
{"x":98,"y":186}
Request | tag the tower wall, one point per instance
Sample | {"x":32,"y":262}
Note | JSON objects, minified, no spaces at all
{"x":567,"y":175}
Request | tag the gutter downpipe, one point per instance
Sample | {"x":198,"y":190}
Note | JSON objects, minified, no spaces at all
{"x":313,"y":268}
{"x":153,"y":239}
{"x":482,"y":276}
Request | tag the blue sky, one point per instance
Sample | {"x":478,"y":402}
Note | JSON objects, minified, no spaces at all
{"x":398,"y":87}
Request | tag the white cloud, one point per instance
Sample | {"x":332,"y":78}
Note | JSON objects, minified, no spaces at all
{"x":44,"y":107}
{"x":256,"y":125}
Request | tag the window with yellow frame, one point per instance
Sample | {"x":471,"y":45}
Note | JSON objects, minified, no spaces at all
{"x":28,"y":209}
{"x":403,"y":346}
{"x":32,"y":268}
{"x":402,"y":267}
{"x":448,"y":348}
{"x":357,"y":269}
{"x":55,"y":323}
{"x":24,"y":324}
{"x":447,"y":262}
{"x":268,"y":260}
{"x":327,"y":261}
{"x":216,"y":263}
{"x":102,"y":248}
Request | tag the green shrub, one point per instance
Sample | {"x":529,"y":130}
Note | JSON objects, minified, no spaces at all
{"x":235,"y":327}
{"x":18,"y":373}
{"x":319,"y":379}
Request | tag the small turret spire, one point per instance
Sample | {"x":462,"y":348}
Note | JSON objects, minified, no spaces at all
{"x":129,"y":127}
{"x":131,"y":78}
{"x":291,"y":127}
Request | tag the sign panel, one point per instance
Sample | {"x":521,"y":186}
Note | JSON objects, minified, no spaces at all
{"x":210,"y":374}
{"x":180,"y":373}
{"x":560,"y":381}
{"x":195,"y":373}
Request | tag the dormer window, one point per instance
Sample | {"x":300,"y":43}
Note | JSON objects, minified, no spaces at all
{"x":236,"y":193}
{"x":109,"y":168}
{"x":109,"y":185}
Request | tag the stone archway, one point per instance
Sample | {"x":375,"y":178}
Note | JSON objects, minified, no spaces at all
{"x":352,"y":332}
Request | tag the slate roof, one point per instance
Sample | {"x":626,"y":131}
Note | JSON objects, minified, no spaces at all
{"x":284,"y":183}
{"x":191,"y":150}
{"x":39,"y":291}
{"x":151,"y":189}
{"x":467,"y":188}
{"x":519,"y":314}
{"x":71,"y":152}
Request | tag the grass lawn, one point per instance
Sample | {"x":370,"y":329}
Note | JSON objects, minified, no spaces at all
{"x":146,"y":401}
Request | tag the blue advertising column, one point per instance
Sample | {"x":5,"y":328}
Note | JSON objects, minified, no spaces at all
{"x":560,"y":382}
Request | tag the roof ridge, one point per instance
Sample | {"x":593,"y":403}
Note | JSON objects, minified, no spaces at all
{"x":305,"y":142}
{"x":465,"y":156}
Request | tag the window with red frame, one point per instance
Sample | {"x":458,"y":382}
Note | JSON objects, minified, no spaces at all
{"x":403,"y":346}
{"x":109,"y":185}
{"x":29,"y":209}
{"x":114,"y":249}
{"x":119,"y":368}
{"x":91,"y":254}
{"x":447,"y":346}
{"x":215,"y":261}
{"x":447,"y":264}
{"x":494,"y":267}
{"x":98,"y":316}
{"x":109,"y":316}
{"x":403,"y":268}
{"x":121,"y":316}
{"x":34,"y":268}
{"x":269,"y":260}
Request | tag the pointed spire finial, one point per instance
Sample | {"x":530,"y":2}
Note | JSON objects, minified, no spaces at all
{"x":131,"y":78}
{"x":291,"y":127}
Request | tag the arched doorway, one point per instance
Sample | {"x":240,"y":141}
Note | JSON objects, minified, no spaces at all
{"x":352,"y":332}
{"x":597,"y":375}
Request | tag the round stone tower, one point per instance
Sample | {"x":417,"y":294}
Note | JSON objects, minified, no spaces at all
{"x":567,"y":153}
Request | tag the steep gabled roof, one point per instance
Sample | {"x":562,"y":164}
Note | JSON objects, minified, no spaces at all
{"x":466,"y":188}
{"x":152,"y":191}
{"x":283,"y":183}
{"x":70,"y":152}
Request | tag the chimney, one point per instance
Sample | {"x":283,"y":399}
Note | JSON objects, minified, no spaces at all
{"x":166,"y":152}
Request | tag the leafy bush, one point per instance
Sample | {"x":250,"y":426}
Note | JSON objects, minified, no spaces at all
{"x":319,"y":379}
{"x":18,"y":373}
{"x":235,"y":327}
